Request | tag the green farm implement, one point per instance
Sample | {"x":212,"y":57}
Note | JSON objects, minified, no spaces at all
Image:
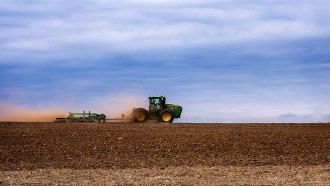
{"x":82,"y":117}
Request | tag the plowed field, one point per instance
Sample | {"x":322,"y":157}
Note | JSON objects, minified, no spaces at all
{"x":124,"y":146}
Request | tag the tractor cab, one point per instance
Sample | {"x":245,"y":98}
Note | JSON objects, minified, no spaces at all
{"x":156,"y":103}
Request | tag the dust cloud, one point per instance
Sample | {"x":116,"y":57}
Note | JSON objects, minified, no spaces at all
{"x":116,"y":105}
{"x":112,"y":105}
{"x":11,"y":112}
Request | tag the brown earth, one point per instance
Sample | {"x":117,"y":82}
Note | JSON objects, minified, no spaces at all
{"x":49,"y":150}
{"x":26,"y":146}
{"x":179,"y":175}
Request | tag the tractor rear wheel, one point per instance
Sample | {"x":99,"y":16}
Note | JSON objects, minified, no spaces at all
{"x":140,"y":115}
{"x":166,"y":116}
{"x":102,"y":118}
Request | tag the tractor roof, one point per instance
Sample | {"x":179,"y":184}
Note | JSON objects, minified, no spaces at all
{"x":153,"y":97}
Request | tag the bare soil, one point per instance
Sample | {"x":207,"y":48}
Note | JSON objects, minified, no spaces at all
{"x":111,"y":148}
{"x":179,"y":175}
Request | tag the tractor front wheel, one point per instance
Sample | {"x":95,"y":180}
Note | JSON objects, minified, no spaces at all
{"x":166,"y":116}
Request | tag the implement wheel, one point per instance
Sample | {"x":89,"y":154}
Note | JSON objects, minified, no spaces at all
{"x":165,"y":116}
{"x":140,"y":115}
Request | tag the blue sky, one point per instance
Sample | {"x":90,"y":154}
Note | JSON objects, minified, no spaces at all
{"x":223,"y":61}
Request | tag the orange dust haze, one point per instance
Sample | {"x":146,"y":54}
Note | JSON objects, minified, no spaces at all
{"x":113,"y":106}
{"x":116,"y":105}
{"x":10,"y":112}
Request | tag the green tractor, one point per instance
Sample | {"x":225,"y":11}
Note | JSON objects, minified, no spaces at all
{"x":158,"y":110}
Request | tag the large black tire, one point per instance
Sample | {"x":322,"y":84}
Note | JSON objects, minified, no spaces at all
{"x":102,"y":118}
{"x":165,"y":116}
{"x":140,"y":115}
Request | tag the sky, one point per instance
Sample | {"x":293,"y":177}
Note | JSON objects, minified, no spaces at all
{"x":221,"y":60}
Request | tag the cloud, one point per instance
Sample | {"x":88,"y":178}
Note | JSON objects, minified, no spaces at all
{"x":291,"y":117}
{"x":288,"y":115}
{"x":103,"y":28}
{"x":326,"y":117}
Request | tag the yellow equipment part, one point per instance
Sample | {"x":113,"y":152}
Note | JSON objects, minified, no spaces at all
{"x":140,"y":116}
{"x":166,"y":116}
